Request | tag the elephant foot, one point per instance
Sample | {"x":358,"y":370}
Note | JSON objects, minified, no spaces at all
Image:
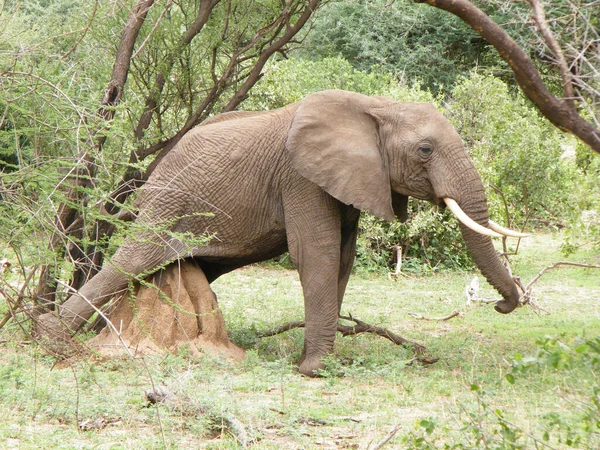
{"x":48,"y":326}
{"x":311,"y":367}
{"x":506,"y":306}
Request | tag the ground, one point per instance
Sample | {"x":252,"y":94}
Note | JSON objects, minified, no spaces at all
{"x":500,"y":381}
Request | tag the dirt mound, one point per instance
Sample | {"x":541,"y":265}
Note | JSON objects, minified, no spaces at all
{"x":175,"y":306}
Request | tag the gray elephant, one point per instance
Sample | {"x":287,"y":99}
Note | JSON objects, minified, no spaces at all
{"x":296,"y":179}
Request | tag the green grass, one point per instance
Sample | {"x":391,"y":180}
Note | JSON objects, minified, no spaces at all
{"x":497,"y":382}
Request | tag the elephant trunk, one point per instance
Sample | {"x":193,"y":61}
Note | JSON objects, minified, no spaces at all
{"x":473,"y":202}
{"x":487,"y":260}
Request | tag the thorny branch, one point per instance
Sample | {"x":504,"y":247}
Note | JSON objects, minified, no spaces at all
{"x":67,"y":213}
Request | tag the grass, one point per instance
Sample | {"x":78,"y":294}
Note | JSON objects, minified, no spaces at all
{"x":499,"y":381}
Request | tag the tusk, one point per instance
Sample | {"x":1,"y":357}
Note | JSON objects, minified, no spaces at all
{"x":467,"y":221}
{"x":506,"y":231}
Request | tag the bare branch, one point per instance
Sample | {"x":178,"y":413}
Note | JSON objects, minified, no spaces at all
{"x":351,"y":330}
{"x":558,"y":111}
{"x":440,"y":319}
{"x":539,"y":16}
{"x":554,"y":266}
{"x":388,"y":437}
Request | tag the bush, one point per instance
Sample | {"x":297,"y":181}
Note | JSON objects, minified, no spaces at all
{"x":515,"y":150}
{"x":430,"y":240}
{"x":291,"y":80}
{"x":584,"y":227}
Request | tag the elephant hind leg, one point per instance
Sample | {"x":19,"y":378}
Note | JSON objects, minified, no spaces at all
{"x":133,"y":258}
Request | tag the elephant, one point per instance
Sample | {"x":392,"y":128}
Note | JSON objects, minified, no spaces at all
{"x":296,"y":179}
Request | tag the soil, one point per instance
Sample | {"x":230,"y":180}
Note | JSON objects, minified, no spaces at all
{"x":174,"y":307}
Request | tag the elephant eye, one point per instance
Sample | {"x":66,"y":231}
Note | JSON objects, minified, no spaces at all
{"x":425,"y":150}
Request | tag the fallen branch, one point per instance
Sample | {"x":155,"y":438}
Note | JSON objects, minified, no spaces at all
{"x":440,"y":319}
{"x":388,"y":437}
{"x":555,"y":265}
{"x":183,"y":404}
{"x":351,"y":330}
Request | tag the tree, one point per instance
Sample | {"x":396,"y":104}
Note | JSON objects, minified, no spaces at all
{"x":578,"y":67}
{"x":193,"y":59}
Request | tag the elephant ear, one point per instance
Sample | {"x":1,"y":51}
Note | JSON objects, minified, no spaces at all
{"x":334,"y":142}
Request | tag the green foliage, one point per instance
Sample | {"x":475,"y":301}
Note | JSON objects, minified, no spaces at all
{"x":411,"y":41}
{"x":485,"y":425}
{"x":584,"y":226}
{"x":430,"y":240}
{"x":291,"y":80}
{"x":515,"y":150}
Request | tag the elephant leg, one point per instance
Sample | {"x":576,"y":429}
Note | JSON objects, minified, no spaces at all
{"x":314,"y":240}
{"x":133,"y":258}
{"x":347,"y":250}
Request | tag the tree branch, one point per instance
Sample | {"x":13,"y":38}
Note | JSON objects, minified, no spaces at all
{"x":554,"y":266}
{"x":539,"y":16}
{"x":352,"y":330}
{"x":67,"y":214}
{"x":558,"y":111}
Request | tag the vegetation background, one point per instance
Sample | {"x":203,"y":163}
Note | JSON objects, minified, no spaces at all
{"x":61,"y":149}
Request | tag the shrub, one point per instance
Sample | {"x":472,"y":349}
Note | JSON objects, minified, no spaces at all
{"x":291,"y":80}
{"x":430,"y":240}
{"x":515,"y":150}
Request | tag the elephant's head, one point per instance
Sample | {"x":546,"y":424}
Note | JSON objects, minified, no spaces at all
{"x":373,"y":153}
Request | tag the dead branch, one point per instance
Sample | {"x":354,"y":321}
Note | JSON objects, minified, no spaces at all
{"x":440,"y":319}
{"x":183,"y":404}
{"x":527,"y":291}
{"x":352,"y":330}
{"x":387,"y":437}
{"x":555,"y":265}
{"x":394,"y":275}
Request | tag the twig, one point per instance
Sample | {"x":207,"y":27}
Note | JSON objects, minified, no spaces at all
{"x":12,"y":308}
{"x":441,"y":319}
{"x":556,"y":264}
{"x":362,"y":327}
{"x":387,"y":437}
{"x":84,"y":31}
{"x":398,"y":271}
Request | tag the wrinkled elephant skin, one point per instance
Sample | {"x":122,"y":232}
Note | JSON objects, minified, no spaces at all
{"x":296,"y":179}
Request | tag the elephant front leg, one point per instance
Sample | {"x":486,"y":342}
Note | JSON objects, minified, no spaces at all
{"x":350,"y":218}
{"x":314,"y":242}
{"x":319,"y":283}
